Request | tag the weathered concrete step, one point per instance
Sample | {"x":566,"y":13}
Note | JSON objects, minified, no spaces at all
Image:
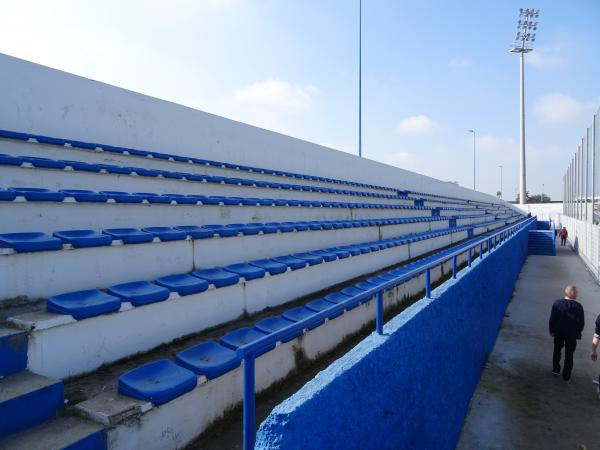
{"x":67,"y":432}
{"x":26,"y":400}
{"x":13,"y":351}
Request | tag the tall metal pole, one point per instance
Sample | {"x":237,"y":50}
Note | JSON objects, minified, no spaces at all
{"x":522,"y":174}
{"x":473,"y":131}
{"x":474,"y":159}
{"x":500,"y":180}
{"x":524,"y":40}
{"x":360,"y":78}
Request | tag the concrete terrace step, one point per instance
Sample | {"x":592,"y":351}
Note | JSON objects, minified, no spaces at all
{"x":67,"y":432}
{"x":13,"y":351}
{"x":27,"y":399}
{"x":140,"y":424}
{"x":119,"y":263}
{"x":64,"y":347}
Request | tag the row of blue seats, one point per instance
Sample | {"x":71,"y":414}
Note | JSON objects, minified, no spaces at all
{"x":37,"y":241}
{"x":93,"y":302}
{"x":167,"y":156}
{"x":161,"y":381}
{"x":84,"y":195}
{"x":47,"y":163}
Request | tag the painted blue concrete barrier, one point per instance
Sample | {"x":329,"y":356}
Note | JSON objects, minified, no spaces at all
{"x":410,"y":387}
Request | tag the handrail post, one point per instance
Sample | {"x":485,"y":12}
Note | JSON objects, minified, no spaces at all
{"x":454,"y":266}
{"x":379,"y":315}
{"x":428,"y":283}
{"x":469,"y":257}
{"x":481,"y":250}
{"x":249,"y":401}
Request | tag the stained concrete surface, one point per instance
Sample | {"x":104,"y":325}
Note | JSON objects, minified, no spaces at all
{"x":518,"y":403}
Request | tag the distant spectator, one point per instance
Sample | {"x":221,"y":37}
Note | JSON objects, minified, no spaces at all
{"x":563,"y":236}
{"x":594,"y":355}
{"x":566,"y":325}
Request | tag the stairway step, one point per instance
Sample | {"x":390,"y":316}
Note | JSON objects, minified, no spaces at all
{"x":27,"y":399}
{"x":66,"y":432}
{"x":13,"y":351}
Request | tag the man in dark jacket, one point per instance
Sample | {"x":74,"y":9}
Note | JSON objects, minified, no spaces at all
{"x":594,"y":355}
{"x":566,"y":325}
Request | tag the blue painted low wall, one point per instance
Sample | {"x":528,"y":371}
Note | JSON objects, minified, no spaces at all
{"x":409,"y":388}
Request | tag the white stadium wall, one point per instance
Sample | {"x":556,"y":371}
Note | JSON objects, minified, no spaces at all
{"x":41,"y":100}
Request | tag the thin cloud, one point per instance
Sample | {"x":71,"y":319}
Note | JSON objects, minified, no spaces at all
{"x":546,"y":58}
{"x":560,"y":108}
{"x":420,"y":124}
{"x":278,"y":94}
{"x":460,"y":63}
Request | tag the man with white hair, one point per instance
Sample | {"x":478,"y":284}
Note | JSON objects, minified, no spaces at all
{"x":566,"y":325}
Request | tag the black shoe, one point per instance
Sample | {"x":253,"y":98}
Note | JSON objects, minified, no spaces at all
{"x":555,"y":373}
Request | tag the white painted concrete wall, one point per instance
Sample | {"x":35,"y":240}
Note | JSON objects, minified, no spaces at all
{"x":543,"y":211}
{"x":42,"y":100}
{"x":584,"y":238}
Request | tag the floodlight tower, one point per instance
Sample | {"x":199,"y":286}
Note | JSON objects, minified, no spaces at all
{"x":524,"y":40}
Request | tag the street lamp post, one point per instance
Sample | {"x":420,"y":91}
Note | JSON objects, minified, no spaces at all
{"x":500,"y":180}
{"x":360,"y":78}
{"x":523,"y":44}
{"x":474,"y":143}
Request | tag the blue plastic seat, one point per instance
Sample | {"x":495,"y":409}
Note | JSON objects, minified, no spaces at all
{"x":129,"y":235}
{"x":7,"y":195}
{"x":242,"y":336}
{"x":83,"y":238}
{"x":209,"y":359}
{"x":110,"y":168}
{"x":82,"y":195}
{"x":182,"y":199}
{"x":140,"y":293}
{"x":38,"y":194}
{"x":247,"y":271}
{"x":14,"y":135}
{"x":123,"y":197}
{"x":327,"y":256}
{"x":196,"y":232}
{"x":320,"y":304}
{"x":157,"y":382}
{"x":311,"y":259}
{"x":146,"y":172}
{"x":338,"y":297}
{"x":83,"y":304}
{"x":44,"y":162}
{"x":81,"y":144}
{"x":291,"y":262}
{"x":340,"y":253}
{"x":166,"y":233}
{"x":222,"y":230}
{"x":271,"y":266}
{"x":80,"y":165}
{"x":151,"y":197}
{"x":353,"y":291}
{"x":276,"y":323}
{"x":183,"y":284}
{"x":300,"y":313}
{"x":29,"y":242}
{"x":217,"y":277}
{"x":10,"y":160}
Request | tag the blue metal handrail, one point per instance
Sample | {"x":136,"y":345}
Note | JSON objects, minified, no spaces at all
{"x":247,"y":352}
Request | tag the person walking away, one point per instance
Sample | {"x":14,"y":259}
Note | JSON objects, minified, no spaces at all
{"x":566,"y":324}
{"x":563,"y":236}
{"x":594,"y":355}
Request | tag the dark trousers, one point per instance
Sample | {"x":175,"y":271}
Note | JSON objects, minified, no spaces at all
{"x":569,"y":344}
{"x":563,"y":240}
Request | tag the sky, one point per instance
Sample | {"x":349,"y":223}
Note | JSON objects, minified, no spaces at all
{"x":432,"y":69}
